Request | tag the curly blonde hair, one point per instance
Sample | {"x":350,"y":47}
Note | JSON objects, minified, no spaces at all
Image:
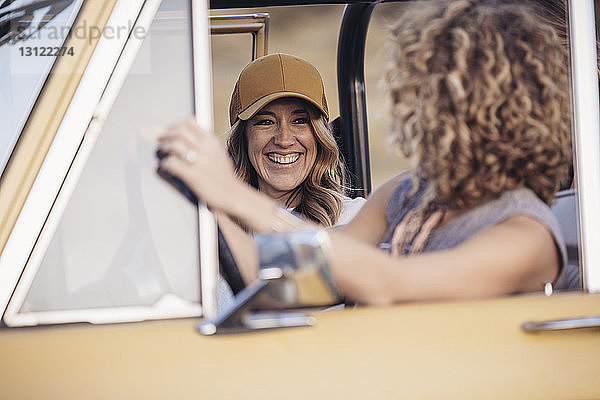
{"x":480,"y":100}
{"x":322,"y":192}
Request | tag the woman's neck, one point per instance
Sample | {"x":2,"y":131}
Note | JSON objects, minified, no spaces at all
{"x":284,"y":197}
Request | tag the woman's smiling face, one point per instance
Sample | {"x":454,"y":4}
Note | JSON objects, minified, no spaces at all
{"x":281,"y":146}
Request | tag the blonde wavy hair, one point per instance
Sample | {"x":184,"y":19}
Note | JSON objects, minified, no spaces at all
{"x":323,"y":190}
{"x":480,"y":100}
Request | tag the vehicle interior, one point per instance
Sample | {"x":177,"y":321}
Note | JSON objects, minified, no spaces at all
{"x":108,"y":274}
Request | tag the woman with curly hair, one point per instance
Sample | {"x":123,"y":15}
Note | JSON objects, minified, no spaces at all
{"x":480,"y":104}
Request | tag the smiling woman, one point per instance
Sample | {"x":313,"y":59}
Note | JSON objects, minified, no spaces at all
{"x":281,"y":143}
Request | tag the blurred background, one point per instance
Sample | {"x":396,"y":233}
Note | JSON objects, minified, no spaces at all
{"x":311,"y":32}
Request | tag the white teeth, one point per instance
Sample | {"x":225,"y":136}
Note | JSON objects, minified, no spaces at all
{"x":288,"y":159}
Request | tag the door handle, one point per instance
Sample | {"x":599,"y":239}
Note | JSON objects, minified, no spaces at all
{"x":562,"y":324}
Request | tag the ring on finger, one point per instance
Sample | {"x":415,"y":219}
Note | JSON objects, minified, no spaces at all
{"x":191,"y":156}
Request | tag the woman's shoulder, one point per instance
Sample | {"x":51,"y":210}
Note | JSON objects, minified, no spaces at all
{"x":520,"y":201}
{"x":512,"y":203}
{"x":349,"y":202}
{"x":350,"y":207}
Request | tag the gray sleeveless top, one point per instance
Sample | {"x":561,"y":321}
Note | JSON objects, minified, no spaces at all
{"x":513,"y":202}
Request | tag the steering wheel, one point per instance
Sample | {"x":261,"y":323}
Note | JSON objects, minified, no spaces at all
{"x":228,"y":265}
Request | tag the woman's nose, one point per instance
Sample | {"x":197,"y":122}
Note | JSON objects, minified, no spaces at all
{"x":284,"y":136}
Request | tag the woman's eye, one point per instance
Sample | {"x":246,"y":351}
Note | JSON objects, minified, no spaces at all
{"x":263,"y":122}
{"x":302,"y":120}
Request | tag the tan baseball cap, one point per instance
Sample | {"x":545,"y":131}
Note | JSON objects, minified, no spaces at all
{"x":272,"y":77}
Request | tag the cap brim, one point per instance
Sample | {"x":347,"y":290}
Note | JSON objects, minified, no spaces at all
{"x":263,"y":101}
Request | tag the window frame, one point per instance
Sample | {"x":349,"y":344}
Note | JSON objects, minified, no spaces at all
{"x":98,"y":89}
{"x":257,"y":24}
{"x":586,"y":147}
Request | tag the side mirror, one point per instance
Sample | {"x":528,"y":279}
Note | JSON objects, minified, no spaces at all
{"x":293,"y":274}
{"x":296,"y":264}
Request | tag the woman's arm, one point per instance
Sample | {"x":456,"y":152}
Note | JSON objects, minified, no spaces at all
{"x":516,"y":255}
